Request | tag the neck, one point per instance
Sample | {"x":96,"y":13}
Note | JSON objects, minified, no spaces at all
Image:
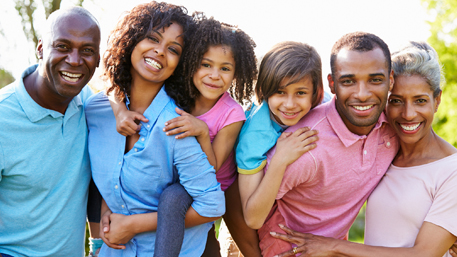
{"x":40,"y":92}
{"x":142,"y":95}
{"x":203,"y":105}
{"x":428,"y":149}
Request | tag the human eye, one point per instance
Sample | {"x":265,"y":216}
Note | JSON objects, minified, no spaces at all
{"x":174,"y":50}
{"x":421,"y":101}
{"x":301,"y":93}
{"x":225,"y":69}
{"x":377,"y":80}
{"x":88,"y":51}
{"x":394,"y":101}
{"x":61,"y":47}
{"x":153,"y":39}
{"x":280,"y":92}
{"x":206,"y":65}
{"x":347,"y":82}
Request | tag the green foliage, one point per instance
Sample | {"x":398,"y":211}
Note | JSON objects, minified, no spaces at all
{"x":5,"y":77}
{"x":443,"y":28}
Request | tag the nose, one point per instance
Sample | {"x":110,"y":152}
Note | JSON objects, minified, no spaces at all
{"x":363,"y":91}
{"x":409,"y":112}
{"x":214,"y":74}
{"x":74,"y":58}
{"x":289,"y":102}
{"x":159,"y":49}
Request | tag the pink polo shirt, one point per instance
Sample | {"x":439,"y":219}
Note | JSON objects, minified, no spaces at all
{"x":323,"y":191}
{"x":225,"y":112}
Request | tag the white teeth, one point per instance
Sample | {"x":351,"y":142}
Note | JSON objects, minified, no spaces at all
{"x":153,"y":63}
{"x":363,"y":108}
{"x":72,"y":77}
{"x":409,"y":127}
{"x":289,"y":113}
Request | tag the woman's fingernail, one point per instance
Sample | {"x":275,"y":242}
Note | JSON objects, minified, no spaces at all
{"x":281,"y":225}
{"x":273,"y":233}
{"x":105,"y":229}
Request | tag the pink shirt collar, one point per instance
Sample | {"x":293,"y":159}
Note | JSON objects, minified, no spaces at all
{"x":347,"y":137}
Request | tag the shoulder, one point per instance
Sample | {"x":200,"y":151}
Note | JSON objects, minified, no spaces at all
{"x":96,"y":101}
{"x":7,"y":92}
{"x":316,"y":118}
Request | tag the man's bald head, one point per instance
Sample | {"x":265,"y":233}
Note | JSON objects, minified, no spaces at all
{"x":60,"y":14}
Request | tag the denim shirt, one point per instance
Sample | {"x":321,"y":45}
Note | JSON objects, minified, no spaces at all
{"x":131,"y":183}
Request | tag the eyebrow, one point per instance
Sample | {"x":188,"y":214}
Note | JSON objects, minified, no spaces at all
{"x":160,"y":34}
{"x":67,"y":41}
{"x":370,"y":75}
{"x":224,"y":63}
{"x":416,"y":96}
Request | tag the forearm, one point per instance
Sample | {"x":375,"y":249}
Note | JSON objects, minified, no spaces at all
{"x":194,"y":219}
{"x":117,"y":106}
{"x":257,"y":207}
{"x":346,"y":248}
{"x":207,"y":148}
{"x":144,"y":222}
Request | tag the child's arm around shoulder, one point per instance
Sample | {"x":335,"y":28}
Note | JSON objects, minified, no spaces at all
{"x":258,"y":191}
{"x":127,"y":122}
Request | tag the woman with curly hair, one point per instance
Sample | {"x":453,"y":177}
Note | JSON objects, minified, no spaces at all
{"x":144,"y":52}
{"x":219,"y":65}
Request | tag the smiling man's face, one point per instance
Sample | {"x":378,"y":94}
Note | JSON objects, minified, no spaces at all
{"x":69,"y":54}
{"x":361,"y":84}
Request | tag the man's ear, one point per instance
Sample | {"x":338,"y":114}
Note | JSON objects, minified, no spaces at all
{"x":331,"y":83}
{"x":39,"y":49}
{"x":98,"y":62}
{"x":392,"y":80}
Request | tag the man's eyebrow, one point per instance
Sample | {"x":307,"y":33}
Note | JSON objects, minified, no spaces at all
{"x":347,"y":76}
{"x":377,"y":74}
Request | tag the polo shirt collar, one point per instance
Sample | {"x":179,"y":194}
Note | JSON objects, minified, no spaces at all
{"x":336,"y":122}
{"x":154,"y":109}
{"x":36,"y":112}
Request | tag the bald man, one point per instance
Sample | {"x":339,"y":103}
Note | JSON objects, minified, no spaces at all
{"x":44,"y":164}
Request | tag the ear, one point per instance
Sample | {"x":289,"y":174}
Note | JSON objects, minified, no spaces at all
{"x":98,"y":61}
{"x":39,"y":49}
{"x":438,"y":101}
{"x":391,"y":77}
{"x":331,"y":83}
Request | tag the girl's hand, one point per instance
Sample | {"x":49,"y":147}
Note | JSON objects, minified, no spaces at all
{"x":127,"y":122}
{"x":119,"y":231}
{"x":307,"y":244}
{"x":105,"y":225}
{"x":186,"y":124}
{"x":291,"y":145}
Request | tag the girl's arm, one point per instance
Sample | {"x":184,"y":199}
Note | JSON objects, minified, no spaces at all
{"x":258,"y":191}
{"x":126,"y":121}
{"x":119,"y":229}
{"x":218,"y":151}
{"x":432,"y":240}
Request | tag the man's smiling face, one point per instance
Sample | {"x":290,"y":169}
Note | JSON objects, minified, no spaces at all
{"x":361,"y":84}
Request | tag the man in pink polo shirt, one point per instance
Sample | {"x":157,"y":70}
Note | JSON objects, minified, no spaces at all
{"x":323,"y":191}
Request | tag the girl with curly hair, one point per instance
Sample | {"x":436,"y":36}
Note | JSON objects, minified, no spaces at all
{"x":220,"y":64}
{"x":131,"y":173}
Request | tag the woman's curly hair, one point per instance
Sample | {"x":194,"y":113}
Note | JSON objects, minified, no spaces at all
{"x":133,"y":27}
{"x":211,"y":32}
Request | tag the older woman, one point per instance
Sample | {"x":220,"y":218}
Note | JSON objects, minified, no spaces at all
{"x":413,"y":209}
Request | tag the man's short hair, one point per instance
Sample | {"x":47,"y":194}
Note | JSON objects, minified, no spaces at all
{"x":362,"y":42}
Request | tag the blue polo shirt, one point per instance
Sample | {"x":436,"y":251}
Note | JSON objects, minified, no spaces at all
{"x":132,"y":183}
{"x":44,"y":175}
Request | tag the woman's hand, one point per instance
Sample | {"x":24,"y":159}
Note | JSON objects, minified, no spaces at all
{"x":291,"y":145}
{"x":186,"y":124}
{"x":120,"y":231}
{"x":105,"y":225}
{"x":307,"y":244}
